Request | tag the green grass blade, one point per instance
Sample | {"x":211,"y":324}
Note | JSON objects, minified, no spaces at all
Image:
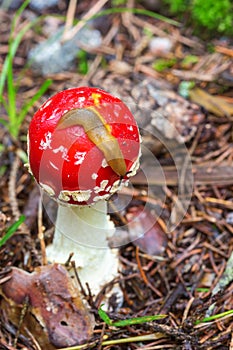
{"x":11,"y":230}
{"x":137,"y":320}
{"x":18,"y":13}
{"x":4,"y":103}
{"x":8,"y":75}
{"x":215,"y":317}
{"x":104,"y":316}
{"x":3,"y":122}
{"x":138,"y":12}
{"x":12,"y":51}
{"x":129,"y":321}
{"x":13,"y":44}
{"x":11,"y":95}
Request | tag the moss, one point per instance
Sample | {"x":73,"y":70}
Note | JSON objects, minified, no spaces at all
{"x":213,"y":16}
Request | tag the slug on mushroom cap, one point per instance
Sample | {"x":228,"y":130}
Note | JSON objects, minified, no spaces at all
{"x":81,"y":142}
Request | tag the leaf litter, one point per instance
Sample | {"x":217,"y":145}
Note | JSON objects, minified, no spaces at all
{"x":189,"y":276}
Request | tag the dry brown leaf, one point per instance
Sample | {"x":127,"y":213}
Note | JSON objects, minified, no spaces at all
{"x":52,"y":309}
{"x":214,"y":104}
{"x":145,"y":232}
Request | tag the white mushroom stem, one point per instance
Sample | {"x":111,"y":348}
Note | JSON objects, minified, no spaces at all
{"x":85,"y":230}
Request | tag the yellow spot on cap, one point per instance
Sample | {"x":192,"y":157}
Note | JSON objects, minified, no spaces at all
{"x":96,"y":98}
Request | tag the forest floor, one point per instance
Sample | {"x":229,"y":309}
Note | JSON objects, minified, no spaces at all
{"x":182,"y":268}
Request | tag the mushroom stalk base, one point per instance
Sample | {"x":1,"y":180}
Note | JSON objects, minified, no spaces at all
{"x":85,"y":231}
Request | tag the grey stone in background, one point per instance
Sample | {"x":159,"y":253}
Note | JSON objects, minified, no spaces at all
{"x":37,"y":5}
{"x":54,"y":56}
{"x":10,"y":4}
{"x":160,"y":46}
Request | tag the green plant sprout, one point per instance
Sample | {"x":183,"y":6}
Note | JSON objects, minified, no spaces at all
{"x":11,"y":230}
{"x":15,"y":118}
{"x":82,"y":62}
{"x":128,"y":322}
{"x":162,"y":64}
{"x":188,"y":61}
{"x":185,"y":87}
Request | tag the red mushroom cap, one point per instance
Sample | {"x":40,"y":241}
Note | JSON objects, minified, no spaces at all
{"x":75,"y":165}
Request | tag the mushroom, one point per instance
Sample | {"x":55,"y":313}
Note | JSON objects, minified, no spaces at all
{"x":83,"y":144}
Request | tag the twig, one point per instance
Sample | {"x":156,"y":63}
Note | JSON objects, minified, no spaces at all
{"x":21,"y":319}
{"x":12,"y":188}
{"x":204,"y":174}
{"x":127,"y":21}
{"x":231,"y":343}
{"x":163,"y":33}
{"x":93,"y":10}
{"x":171,"y":298}
{"x":101,"y":337}
{"x":106,"y":41}
{"x":142,"y":273}
{"x":78,"y":279}
{"x":41,"y":234}
{"x":191,"y":75}
{"x":34,"y":340}
{"x":226,"y":51}
{"x":12,"y":193}
{"x":187,"y":309}
{"x":185,"y":168}
{"x":68,"y":261}
{"x":69,"y":18}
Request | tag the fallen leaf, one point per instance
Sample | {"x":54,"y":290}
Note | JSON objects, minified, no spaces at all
{"x":52,"y":309}
{"x":214,"y":104}
{"x":145,"y":232}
